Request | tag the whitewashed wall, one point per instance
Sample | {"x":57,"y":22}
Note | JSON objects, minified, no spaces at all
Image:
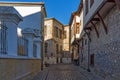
{"x":10,"y":18}
{"x":81,"y":26}
{"x":32,"y":19}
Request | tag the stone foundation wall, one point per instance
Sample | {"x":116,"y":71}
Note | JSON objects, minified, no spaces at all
{"x":19,"y":69}
{"x":107,"y":61}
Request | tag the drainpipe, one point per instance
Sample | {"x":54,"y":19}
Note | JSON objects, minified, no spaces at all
{"x":42,"y":56}
{"x":42,"y":43}
{"x":88,"y":69}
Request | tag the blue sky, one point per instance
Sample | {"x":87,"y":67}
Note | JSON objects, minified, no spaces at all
{"x":59,"y":9}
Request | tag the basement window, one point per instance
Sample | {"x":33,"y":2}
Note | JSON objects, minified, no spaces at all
{"x":92,"y":59}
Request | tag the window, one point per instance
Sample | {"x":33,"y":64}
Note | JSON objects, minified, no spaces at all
{"x":91,"y":2}
{"x":65,"y":34}
{"x":86,"y":4}
{"x":57,"y":48}
{"x":77,"y":28}
{"x":61,"y":48}
{"x":22,"y":46}
{"x":34,"y":50}
{"x":45,"y":30}
{"x":46,"y":46}
{"x":60,"y":34}
{"x":56,"y":32}
{"x":85,"y":41}
{"x":92,"y":59}
{"x":3,"y":39}
{"x":82,"y":42}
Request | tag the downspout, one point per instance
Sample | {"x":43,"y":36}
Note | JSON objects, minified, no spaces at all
{"x":42,"y":38}
{"x":88,"y":69}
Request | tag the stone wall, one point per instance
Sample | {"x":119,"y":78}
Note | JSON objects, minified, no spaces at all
{"x":107,"y":60}
{"x":19,"y":69}
{"x":106,"y":48}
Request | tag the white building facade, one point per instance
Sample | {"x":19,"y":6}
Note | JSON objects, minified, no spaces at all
{"x":76,"y":27}
{"x":21,"y":39}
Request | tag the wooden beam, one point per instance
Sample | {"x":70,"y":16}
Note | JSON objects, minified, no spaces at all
{"x":88,"y":28}
{"x":95,"y":29}
{"x":118,"y":3}
{"x":113,"y":1}
{"x":95,"y":19}
{"x":88,"y":34}
{"x":103,"y":23}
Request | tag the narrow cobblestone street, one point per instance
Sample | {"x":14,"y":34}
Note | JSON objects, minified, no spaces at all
{"x":65,"y":72}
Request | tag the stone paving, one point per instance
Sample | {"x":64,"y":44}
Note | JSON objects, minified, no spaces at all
{"x":64,"y":72}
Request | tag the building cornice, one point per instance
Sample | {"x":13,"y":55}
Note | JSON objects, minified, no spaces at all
{"x":24,"y":4}
{"x":21,"y":3}
{"x":53,"y":19}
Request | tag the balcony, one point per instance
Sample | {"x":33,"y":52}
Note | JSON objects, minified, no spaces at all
{"x":97,"y":10}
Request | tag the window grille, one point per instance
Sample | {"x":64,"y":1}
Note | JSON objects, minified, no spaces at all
{"x":3,"y":39}
{"x":22,"y":46}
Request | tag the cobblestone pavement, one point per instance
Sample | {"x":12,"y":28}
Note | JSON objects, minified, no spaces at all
{"x":61,"y":72}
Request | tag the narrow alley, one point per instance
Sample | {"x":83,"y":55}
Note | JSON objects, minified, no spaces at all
{"x":60,"y":40}
{"x":64,"y":72}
